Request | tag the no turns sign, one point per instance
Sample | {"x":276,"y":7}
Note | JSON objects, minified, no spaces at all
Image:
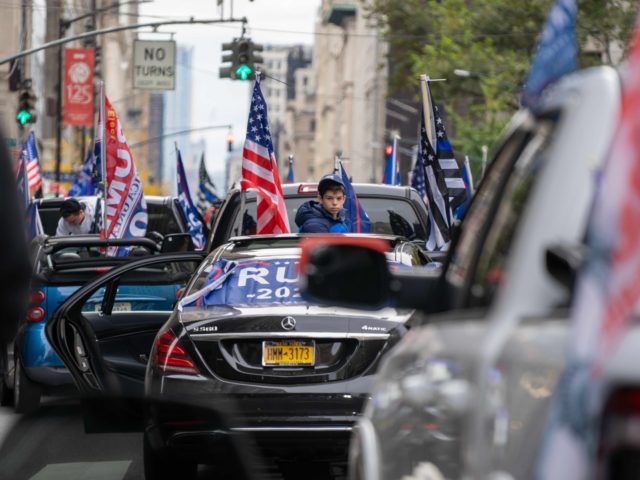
{"x":154,"y":64}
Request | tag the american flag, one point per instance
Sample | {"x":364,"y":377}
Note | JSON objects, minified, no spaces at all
{"x":207,"y":195}
{"x":436,"y":193}
{"x":448,"y":165}
{"x":417,"y":176}
{"x":30,"y":155}
{"x":259,"y":169}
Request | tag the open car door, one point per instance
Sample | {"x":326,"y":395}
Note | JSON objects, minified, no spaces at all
{"x":105,"y":330}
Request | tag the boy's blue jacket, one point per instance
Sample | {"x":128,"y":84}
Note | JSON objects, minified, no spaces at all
{"x":313,"y":218}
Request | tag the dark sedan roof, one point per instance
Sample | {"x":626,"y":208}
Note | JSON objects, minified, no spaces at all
{"x":283,"y":245}
{"x":360,"y":188}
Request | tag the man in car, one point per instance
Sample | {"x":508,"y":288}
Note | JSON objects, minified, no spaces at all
{"x":76,"y":218}
{"x":326,"y":215}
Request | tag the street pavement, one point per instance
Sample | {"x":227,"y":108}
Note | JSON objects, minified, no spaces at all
{"x":52,"y":445}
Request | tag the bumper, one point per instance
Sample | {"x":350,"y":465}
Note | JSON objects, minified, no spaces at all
{"x":288,"y":424}
{"x":49,"y":376}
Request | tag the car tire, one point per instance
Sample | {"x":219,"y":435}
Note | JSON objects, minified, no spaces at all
{"x":26,"y":393}
{"x":165,"y":467}
{"x":6,"y":392}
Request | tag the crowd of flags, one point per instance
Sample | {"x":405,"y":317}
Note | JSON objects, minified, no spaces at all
{"x":445,"y":187}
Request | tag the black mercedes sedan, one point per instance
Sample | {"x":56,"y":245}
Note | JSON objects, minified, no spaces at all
{"x":239,"y":335}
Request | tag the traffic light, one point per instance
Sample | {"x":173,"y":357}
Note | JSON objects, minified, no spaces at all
{"x":243,"y":67}
{"x":243,"y":58}
{"x":225,"y":72}
{"x":26,"y":112}
{"x":254,"y":57}
{"x":229,"y":141}
{"x":388,"y":150}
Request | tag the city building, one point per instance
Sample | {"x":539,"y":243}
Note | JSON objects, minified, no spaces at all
{"x":350,"y":81}
{"x":281,"y":88}
{"x":177,"y":118}
{"x":298,"y":138}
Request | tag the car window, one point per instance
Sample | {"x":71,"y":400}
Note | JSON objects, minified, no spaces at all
{"x":490,"y":272}
{"x":393,"y":216}
{"x":478,"y":218}
{"x":162,"y":219}
{"x":255,"y":281}
{"x":153,"y":287}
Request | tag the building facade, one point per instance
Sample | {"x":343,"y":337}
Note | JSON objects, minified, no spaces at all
{"x":285,"y":97}
{"x":350,"y":79}
{"x":177,"y":118}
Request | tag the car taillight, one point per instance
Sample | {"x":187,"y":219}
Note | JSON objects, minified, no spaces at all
{"x":36,"y":297}
{"x":179,"y":293}
{"x":169,"y":357}
{"x":35,"y":314}
{"x":619,"y":447}
{"x":308,"y":188}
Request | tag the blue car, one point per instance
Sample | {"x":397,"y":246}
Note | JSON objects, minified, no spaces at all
{"x":61,"y":266}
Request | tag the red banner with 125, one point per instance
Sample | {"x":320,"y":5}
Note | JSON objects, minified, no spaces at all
{"x":78,"y":86}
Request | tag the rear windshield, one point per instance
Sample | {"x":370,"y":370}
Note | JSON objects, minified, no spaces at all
{"x":258,"y":281}
{"x":389,"y":215}
{"x":248,"y":282}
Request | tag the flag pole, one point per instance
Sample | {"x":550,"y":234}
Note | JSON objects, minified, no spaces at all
{"x":394,"y":159}
{"x":427,"y":108}
{"x":25,"y":179}
{"x":485,"y":152}
{"x":102,"y":123}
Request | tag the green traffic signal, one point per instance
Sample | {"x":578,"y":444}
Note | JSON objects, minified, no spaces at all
{"x":25,"y":113}
{"x":244,"y":72}
{"x":23,"y":117}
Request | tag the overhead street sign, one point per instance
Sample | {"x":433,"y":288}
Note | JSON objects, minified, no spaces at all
{"x":154,"y":64}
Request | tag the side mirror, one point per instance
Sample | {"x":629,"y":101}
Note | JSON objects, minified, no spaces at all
{"x":177,"y":242}
{"x":563,"y":262}
{"x":353,"y":272}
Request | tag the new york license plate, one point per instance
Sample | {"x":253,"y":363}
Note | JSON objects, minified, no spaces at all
{"x":117,"y":307}
{"x":288,"y":353}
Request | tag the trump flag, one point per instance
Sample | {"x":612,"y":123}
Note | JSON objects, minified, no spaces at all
{"x":126,"y":210}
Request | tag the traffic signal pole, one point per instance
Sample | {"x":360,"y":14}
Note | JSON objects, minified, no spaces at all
{"x":120,"y":28}
{"x":92,"y":34}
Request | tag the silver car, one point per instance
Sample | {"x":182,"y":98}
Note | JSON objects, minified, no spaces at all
{"x":466,"y":395}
